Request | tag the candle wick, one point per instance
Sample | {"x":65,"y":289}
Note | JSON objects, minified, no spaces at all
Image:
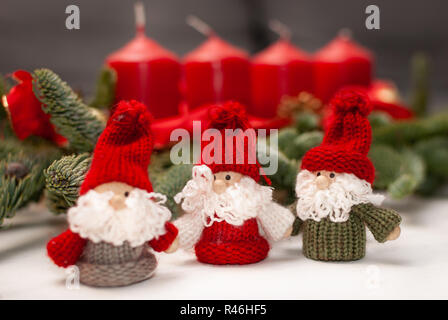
{"x":199,"y":25}
{"x":140,"y":20}
{"x":345,"y":33}
{"x":281,"y":29}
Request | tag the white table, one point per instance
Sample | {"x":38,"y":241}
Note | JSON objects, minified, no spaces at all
{"x":414,"y":266}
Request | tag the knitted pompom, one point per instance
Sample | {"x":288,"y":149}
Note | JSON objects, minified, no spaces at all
{"x":131,"y":113}
{"x":351,"y":100}
{"x":230,"y":115}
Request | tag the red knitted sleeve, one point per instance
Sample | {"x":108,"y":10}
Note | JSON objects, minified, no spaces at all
{"x":66,"y":248}
{"x":164,"y":242}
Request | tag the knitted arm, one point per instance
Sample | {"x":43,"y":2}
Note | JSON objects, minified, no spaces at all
{"x":66,"y":248}
{"x":190,"y":229}
{"x":275,"y":220}
{"x":381,"y":222}
{"x":163,"y":242}
{"x":297,"y":224}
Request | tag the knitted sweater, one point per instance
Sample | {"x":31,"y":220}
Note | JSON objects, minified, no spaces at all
{"x":105,"y":265}
{"x":345,"y":241}
{"x":274,"y":220}
{"x":225,"y":243}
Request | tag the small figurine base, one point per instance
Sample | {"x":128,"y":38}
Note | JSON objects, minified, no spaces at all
{"x":105,"y":265}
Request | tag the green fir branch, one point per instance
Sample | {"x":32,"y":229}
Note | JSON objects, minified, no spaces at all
{"x":22,"y":180}
{"x":307,"y":121}
{"x":170,"y":183}
{"x":294,"y":145}
{"x":160,"y":162}
{"x":283,"y":179}
{"x":285,"y":138}
{"x":379,"y":119}
{"x":412,"y":174}
{"x":435,"y":153}
{"x":73,"y":119}
{"x":420,"y":84}
{"x":411,"y":131}
{"x":63,"y":179}
{"x":105,"y":89}
{"x":303,"y":143}
{"x":387,"y":162}
{"x":400,"y":172}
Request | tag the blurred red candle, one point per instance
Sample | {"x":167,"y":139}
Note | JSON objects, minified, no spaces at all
{"x":341,"y":62}
{"x":215,"y":71}
{"x":279,"y":70}
{"x":147,"y":72}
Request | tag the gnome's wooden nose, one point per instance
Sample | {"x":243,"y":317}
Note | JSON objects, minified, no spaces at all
{"x":322,"y":182}
{"x":219,"y":186}
{"x":117,"y":202}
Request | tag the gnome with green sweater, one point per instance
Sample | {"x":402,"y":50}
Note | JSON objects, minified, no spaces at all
{"x":334,"y":187}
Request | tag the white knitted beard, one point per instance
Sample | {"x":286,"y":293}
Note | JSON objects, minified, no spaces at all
{"x":142,"y":220}
{"x":238,"y":203}
{"x":336,"y":201}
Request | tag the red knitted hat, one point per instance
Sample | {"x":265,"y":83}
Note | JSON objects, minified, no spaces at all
{"x":237,"y":147}
{"x":123,"y":151}
{"x":347,"y":138}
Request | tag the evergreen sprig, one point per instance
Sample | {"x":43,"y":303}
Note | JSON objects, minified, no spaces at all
{"x":171,"y":183}
{"x":434,"y":151}
{"x":63,"y":178}
{"x":21,"y":180}
{"x":420,"y":84}
{"x":73,"y":119}
{"x":284,"y":177}
{"x":105,"y":89}
{"x":411,"y":131}
{"x":387,"y":162}
{"x":412,"y":174}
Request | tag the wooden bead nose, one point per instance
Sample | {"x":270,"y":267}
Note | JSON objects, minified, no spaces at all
{"x":117,"y":203}
{"x":219,"y":186}
{"x":322,"y":182}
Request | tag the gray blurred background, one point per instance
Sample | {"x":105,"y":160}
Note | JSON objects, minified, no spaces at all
{"x":33,"y":33}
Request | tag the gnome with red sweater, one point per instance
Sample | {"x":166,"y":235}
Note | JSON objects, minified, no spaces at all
{"x":118,"y":218}
{"x":334,"y":187}
{"x":228,"y":215}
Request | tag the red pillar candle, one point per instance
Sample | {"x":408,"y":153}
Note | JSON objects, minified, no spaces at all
{"x":215,"y":71}
{"x":279,"y":70}
{"x":341,"y":62}
{"x":147,"y":72}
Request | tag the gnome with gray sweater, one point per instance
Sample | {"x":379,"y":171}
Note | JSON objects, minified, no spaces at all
{"x":118,"y":219}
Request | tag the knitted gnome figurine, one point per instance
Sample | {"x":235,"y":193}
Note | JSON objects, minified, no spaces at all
{"x":118,"y":217}
{"x":224,"y":203}
{"x":335,"y":199}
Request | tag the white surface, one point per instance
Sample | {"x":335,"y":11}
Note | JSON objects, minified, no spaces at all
{"x":414,"y":266}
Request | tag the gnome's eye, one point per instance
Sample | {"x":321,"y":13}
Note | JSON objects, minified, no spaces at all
{"x":228,"y":177}
{"x":318,"y":174}
{"x":332,"y":175}
{"x":126,"y":194}
{"x":214,"y":177}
